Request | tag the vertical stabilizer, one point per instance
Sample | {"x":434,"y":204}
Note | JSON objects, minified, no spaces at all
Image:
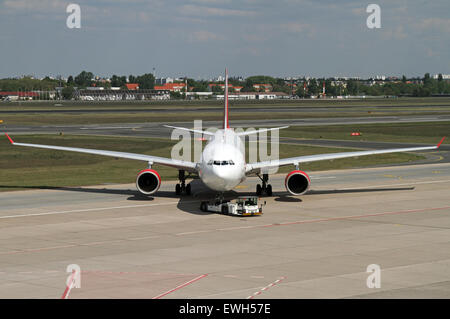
{"x":225,"y":115}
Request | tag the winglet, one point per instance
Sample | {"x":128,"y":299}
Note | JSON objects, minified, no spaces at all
{"x":441,"y":142}
{"x":10,"y":139}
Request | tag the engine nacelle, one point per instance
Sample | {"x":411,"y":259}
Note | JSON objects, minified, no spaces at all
{"x":148,"y":181}
{"x":297,"y":182}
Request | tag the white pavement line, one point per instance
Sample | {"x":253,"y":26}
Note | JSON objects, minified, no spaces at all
{"x":193,"y":232}
{"x":391,"y":185}
{"x":180,"y":286}
{"x":89,"y":210}
{"x":106,"y":242}
{"x":266,"y":288}
{"x":108,"y":127}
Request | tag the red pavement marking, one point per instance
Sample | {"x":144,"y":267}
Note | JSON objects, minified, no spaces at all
{"x":180,"y":286}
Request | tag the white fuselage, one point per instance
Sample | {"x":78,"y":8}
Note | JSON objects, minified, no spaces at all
{"x":222,"y":164}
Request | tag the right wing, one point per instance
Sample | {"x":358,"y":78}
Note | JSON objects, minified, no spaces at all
{"x":190,"y":166}
{"x":254,"y":167}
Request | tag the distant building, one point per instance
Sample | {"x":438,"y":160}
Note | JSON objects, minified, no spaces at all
{"x":339,"y":83}
{"x":162,"y":81}
{"x":172,"y":87}
{"x":222,"y":86}
{"x":220,"y":78}
{"x":120,"y":95}
{"x":255,"y":96}
{"x":199,"y":95}
{"x":264,"y":87}
{"x":444,"y":76}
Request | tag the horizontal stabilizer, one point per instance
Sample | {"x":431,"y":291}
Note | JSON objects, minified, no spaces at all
{"x":190,"y":130}
{"x":260,"y":131}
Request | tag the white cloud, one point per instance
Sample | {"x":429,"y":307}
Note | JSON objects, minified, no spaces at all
{"x":191,"y":9}
{"x":295,"y":27}
{"x":202,"y":36}
{"x":35,"y":5}
{"x":394,"y":33}
{"x":435,"y":24}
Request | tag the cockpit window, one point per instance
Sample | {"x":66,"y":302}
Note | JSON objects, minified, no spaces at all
{"x":211,"y":162}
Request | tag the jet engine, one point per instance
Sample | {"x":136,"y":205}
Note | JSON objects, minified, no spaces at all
{"x":297,"y":182}
{"x":148,"y":181}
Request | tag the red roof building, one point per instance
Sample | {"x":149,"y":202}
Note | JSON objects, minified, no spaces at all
{"x":132,"y":86}
{"x":173,"y":87}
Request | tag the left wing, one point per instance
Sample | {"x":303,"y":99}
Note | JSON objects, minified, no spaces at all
{"x":321,"y":157}
{"x":190,"y":166}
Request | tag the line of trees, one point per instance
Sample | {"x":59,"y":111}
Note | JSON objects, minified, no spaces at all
{"x":28,"y":84}
{"x":425,"y":86}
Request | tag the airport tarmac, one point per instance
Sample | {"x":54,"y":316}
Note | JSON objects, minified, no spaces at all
{"x":318,"y":245}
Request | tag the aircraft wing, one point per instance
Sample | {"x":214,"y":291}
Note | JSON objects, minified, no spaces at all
{"x":190,"y":166}
{"x":321,"y":157}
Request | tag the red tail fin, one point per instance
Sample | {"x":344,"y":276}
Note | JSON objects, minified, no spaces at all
{"x":225,"y":116}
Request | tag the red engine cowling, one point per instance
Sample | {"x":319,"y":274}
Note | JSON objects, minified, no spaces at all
{"x":297,"y":182}
{"x":148,"y":181}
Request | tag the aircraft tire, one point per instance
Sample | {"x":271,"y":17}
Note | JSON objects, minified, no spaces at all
{"x":258,"y":190}
{"x":269,"y":190}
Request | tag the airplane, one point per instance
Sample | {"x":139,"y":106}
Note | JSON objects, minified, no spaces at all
{"x":222,"y":164}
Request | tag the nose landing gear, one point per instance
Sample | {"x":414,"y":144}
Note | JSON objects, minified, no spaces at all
{"x":182,"y":187}
{"x":264,"y":188}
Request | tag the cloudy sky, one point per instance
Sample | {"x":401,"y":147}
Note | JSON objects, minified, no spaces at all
{"x":199,"y":38}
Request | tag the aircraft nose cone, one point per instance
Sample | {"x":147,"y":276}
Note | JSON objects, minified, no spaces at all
{"x":221,"y":172}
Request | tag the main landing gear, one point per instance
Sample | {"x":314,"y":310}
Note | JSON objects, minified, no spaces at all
{"x":264,"y":188}
{"x":182,"y":187}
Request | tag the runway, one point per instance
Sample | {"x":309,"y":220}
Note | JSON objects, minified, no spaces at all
{"x":156,"y":129}
{"x":313,"y":246}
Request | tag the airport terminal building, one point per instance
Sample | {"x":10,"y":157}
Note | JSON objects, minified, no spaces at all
{"x":122,"y":95}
